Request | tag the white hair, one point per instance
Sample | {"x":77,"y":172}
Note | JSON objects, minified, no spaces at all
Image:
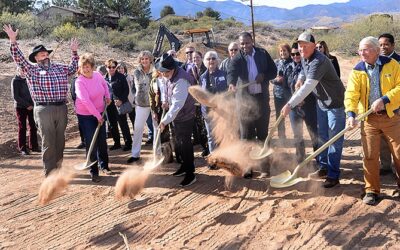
{"x":208,"y":54}
{"x":371,"y":41}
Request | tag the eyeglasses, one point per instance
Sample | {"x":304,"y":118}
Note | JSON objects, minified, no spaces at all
{"x":319,"y":46}
{"x":211,"y":58}
{"x":111,"y":67}
{"x":295,"y":54}
{"x":188,"y":52}
{"x":233,"y":50}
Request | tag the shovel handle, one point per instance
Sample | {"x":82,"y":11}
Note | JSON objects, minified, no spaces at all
{"x":96,"y":133}
{"x":330,"y":142}
{"x":272,"y":131}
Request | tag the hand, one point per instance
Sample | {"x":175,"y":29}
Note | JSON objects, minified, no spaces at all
{"x":351,"y":122}
{"x":298,"y":84}
{"x":260,"y":78}
{"x":232,"y":88}
{"x":378,"y":105}
{"x":118,"y":103}
{"x":165,"y":106}
{"x":101,"y":121}
{"x":285,"y":110}
{"x":29,"y":108}
{"x":10,"y":32}
{"x":161,"y":127}
{"x":108,"y":101}
{"x":155,"y":117}
{"x":74,"y":44}
{"x":279,"y":79}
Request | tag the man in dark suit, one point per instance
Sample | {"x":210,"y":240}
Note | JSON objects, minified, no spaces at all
{"x":387,"y":45}
{"x":255,"y":66}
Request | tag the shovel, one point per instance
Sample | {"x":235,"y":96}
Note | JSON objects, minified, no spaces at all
{"x":88,"y":163}
{"x":265,"y":151}
{"x":286,"y":179}
{"x":156,"y":161}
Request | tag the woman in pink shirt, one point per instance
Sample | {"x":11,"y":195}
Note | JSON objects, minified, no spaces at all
{"x":91,"y":95}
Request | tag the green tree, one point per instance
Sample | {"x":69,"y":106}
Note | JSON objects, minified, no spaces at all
{"x":65,"y":3}
{"x":94,"y":9}
{"x":212,"y":13}
{"x":167,"y":10}
{"x":120,"y":7}
{"x":16,"y":6}
{"x":141,"y":11}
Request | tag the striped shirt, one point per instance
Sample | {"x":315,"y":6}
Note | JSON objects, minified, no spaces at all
{"x":46,"y":85}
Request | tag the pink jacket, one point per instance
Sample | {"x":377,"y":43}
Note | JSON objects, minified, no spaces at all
{"x":90,"y":94}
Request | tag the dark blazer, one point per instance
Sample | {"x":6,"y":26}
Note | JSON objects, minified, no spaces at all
{"x":335,"y":64}
{"x":20,"y":93}
{"x":238,"y":74}
{"x":396,"y":56}
{"x":120,"y":87}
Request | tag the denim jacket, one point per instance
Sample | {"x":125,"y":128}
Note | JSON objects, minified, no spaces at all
{"x":285,"y":68}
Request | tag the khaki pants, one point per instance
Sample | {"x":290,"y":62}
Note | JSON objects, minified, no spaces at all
{"x":386,"y":156}
{"x":371,"y":132}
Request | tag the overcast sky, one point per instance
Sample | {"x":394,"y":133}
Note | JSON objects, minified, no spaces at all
{"x":288,"y":4}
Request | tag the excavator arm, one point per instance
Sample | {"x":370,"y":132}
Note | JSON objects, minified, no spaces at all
{"x":174,"y":42}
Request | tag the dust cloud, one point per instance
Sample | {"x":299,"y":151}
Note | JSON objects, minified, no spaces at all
{"x":54,"y":184}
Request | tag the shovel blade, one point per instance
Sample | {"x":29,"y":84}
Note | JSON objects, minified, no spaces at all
{"x":84,"y":165}
{"x":290,"y":182}
{"x":256,"y":154}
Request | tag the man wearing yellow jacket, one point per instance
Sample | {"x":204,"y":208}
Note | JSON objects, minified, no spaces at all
{"x":375,"y":83}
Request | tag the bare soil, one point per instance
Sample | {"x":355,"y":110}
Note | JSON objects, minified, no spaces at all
{"x":207,"y":215}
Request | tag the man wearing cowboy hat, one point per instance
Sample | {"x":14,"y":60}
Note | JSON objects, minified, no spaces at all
{"x":48,"y":84}
{"x":180,"y":112}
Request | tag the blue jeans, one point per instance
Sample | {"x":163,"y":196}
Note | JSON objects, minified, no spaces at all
{"x":89,"y":124}
{"x":210,"y":139}
{"x":149,"y":123}
{"x":330,"y":123}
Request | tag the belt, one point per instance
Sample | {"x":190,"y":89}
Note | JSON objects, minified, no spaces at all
{"x":50,"y":103}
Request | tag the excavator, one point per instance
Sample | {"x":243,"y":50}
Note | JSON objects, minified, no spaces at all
{"x":206,"y":38}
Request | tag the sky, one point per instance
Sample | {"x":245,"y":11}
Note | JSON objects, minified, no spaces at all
{"x":287,"y":4}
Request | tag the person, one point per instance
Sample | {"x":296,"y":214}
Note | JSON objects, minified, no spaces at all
{"x":214,"y":81}
{"x":196,"y":69}
{"x":23,"y":104}
{"x":252,"y":65}
{"x":307,"y":112}
{"x":387,"y":46}
{"x":189,"y":56}
{"x":123,"y":69}
{"x":91,"y":96}
{"x":323,"y":48}
{"x":374,"y":83}
{"x":281,"y":88}
{"x":319,"y":76}
{"x":50,"y":109}
{"x":181,"y":112}
{"x":119,"y":91}
{"x":233,"y":49}
{"x":142,"y":79}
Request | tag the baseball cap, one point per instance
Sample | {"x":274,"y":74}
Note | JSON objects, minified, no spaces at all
{"x":306,"y":37}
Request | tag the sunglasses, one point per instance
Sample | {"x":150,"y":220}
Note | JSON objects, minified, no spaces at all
{"x":319,"y":47}
{"x":295,"y":54}
{"x":188,"y":52}
{"x":211,"y":58}
{"x":111,"y":67}
{"x":233,"y":49}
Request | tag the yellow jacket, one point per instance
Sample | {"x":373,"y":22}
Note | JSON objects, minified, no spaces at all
{"x":358,"y":87}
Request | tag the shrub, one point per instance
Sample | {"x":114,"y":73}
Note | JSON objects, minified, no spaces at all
{"x":25,"y":22}
{"x":67,"y":31}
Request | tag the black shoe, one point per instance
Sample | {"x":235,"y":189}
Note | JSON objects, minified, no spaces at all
{"x":24,"y":152}
{"x":179,"y":172}
{"x":81,"y":145}
{"x":96,"y":178}
{"x":248,"y":175}
{"x":132,"y":159}
{"x":107,"y":171}
{"x":188,"y":180}
{"x":115,"y":146}
{"x":330,"y":183}
{"x":319,"y":174}
{"x":370,"y":199}
{"x":385,"y":171}
{"x":127,"y":147}
{"x":205,"y":152}
{"x":149,"y":142}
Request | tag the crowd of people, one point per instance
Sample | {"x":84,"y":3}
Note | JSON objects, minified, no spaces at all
{"x":306,"y":86}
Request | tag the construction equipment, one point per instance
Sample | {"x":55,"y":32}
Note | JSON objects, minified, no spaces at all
{"x":174,"y":42}
{"x":207,"y":39}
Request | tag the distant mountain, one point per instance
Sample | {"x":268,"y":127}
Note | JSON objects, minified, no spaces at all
{"x":310,"y":15}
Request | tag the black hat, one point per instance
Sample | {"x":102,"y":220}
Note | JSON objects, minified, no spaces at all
{"x":166,"y":63}
{"x":36,"y":50}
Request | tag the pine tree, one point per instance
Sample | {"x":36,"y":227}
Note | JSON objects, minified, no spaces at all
{"x":16,"y":6}
{"x":167,"y":10}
